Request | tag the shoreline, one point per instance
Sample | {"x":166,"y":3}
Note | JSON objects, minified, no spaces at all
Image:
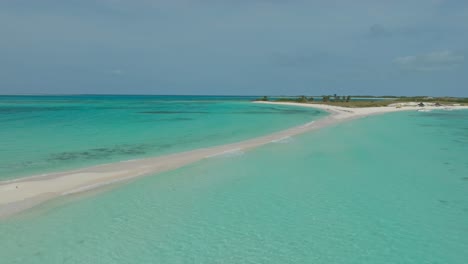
{"x":17,"y":195}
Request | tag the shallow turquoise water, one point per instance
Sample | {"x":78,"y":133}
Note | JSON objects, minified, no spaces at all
{"x":42,"y":134}
{"x":384,"y":189}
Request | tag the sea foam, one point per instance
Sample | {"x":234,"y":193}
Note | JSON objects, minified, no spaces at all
{"x":283,"y":140}
{"x":228,"y":153}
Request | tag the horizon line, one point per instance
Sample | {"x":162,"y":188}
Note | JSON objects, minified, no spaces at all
{"x":211,"y":95}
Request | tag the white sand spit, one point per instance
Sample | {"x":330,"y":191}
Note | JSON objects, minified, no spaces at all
{"x":20,"y":194}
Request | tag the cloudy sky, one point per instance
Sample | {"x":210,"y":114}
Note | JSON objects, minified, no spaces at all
{"x":398,"y":47}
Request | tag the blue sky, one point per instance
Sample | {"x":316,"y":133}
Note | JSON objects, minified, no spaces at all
{"x":234,"y":47}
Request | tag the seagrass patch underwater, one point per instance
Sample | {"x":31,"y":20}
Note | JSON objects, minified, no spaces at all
{"x":383,"y":189}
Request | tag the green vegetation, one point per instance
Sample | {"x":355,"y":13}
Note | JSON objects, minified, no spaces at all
{"x":336,"y":98}
{"x":264,"y":98}
{"x":442,"y":100}
{"x":302,"y":99}
{"x":358,"y":103}
{"x":347,"y":101}
{"x":287,"y":99}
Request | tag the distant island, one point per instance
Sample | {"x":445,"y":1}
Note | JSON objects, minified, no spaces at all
{"x":367,"y":101}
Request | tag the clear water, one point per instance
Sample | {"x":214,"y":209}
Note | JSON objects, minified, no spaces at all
{"x":384,"y":189}
{"x":320,"y":98}
{"x":42,"y":134}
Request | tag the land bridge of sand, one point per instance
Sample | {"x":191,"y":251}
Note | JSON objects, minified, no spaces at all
{"x":20,"y":194}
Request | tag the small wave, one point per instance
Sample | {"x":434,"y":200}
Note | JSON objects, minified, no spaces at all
{"x":308,"y":124}
{"x":228,"y":153}
{"x":283,"y":140}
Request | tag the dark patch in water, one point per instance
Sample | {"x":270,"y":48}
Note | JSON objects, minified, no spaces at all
{"x":255,"y":112}
{"x":465,"y":178}
{"x":100,"y":153}
{"x":443,"y":201}
{"x":176,"y":119}
{"x":163,"y":146}
{"x":17,"y":110}
{"x":427,"y":125}
{"x":173,"y":112}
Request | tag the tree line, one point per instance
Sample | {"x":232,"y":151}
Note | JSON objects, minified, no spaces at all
{"x":305,"y":99}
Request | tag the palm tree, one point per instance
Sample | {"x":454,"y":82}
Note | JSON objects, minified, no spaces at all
{"x":302,"y":99}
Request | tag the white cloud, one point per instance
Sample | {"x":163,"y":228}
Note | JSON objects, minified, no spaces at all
{"x":434,"y":61}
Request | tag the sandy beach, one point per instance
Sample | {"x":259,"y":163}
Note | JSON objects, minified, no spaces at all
{"x":20,"y":194}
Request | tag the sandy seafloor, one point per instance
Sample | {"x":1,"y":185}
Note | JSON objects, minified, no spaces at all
{"x":380,"y":189}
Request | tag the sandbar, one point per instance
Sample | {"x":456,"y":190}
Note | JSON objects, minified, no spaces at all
{"x":20,"y":194}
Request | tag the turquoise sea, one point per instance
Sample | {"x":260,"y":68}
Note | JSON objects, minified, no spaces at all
{"x":384,"y":189}
{"x":41,"y":134}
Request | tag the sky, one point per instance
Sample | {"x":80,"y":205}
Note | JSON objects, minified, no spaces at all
{"x":234,"y":47}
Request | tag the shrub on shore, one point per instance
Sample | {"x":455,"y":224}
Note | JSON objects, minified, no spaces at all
{"x":264,"y":99}
{"x":346,"y":101}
